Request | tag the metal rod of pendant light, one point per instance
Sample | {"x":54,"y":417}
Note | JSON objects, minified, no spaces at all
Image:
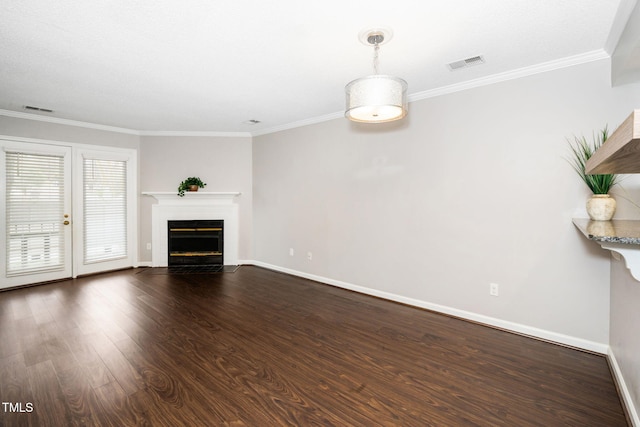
{"x":375,"y":40}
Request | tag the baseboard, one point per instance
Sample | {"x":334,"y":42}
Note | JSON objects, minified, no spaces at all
{"x":150,"y":263}
{"x":623,"y":390}
{"x":479,"y":318}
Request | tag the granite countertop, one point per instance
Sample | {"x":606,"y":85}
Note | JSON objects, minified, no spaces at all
{"x":614,"y":231}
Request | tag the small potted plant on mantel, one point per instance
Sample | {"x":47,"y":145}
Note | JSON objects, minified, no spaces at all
{"x":601,"y":206}
{"x":190,"y":184}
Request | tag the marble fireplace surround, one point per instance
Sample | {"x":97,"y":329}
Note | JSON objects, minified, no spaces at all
{"x":194,"y":205}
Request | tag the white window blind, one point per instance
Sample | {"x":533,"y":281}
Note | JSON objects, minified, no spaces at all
{"x":105,"y":210}
{"x":35,"y":208}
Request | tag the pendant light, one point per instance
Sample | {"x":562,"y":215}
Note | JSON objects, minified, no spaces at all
{"x":377,"y":98}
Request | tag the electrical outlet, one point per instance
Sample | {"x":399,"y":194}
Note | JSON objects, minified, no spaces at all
{"x":309,"y":256}
{"x":290,"y":251}
{"x":148,"y":246}
{"x":494,"y":289}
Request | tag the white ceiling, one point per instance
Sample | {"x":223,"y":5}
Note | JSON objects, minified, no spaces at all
{"x":210,"y":65}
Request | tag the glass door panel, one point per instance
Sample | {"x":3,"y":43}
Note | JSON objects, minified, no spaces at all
{"x":36,"y":207}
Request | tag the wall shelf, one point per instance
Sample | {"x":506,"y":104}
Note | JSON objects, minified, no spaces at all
{"x":621,"y":152}
{"x":622,"y":237}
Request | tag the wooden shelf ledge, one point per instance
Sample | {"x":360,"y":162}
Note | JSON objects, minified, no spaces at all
{"x":621,"y":152}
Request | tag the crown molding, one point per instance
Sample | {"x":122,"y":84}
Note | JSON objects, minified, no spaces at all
{"x":194,"y":133}
{"x":300,"y":123}
{"x":68,"y":122}
{"x":57,"y":120}
{"x":544,"y":67}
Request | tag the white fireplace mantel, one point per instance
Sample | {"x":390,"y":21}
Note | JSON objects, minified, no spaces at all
{"x":194,"y":205}
{"x":200,"y":197}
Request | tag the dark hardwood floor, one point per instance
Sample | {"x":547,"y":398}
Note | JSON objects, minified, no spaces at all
{"x":259,"y":348}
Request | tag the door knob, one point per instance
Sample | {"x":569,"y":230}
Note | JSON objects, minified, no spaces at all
{"x":66,"y":223}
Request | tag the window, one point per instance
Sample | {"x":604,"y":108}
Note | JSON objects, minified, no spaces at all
{"x":35,"y":209}
{"x":104,"y":210}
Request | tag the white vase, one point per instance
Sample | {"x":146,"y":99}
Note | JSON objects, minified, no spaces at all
{"x":601,"y":207}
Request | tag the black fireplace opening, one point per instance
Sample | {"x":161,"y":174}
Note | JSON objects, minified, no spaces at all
{"x":196,"y":242}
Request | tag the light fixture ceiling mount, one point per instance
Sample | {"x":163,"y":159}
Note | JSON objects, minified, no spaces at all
{"x":372,"y":36}
{"x":376,"y":98}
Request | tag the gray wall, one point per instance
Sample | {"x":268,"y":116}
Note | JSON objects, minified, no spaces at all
{"x":472,"y":188}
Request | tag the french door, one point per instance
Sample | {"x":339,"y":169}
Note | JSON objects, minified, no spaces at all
{"x":36,"y":202}
{"x":66,"y":210}
{"x":104,"y":210}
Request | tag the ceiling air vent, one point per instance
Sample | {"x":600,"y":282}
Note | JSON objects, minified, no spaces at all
{"x":464,"y":63}
{"x":32,"y":108}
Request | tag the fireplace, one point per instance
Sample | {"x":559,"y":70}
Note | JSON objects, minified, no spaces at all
{"x":193,"y":206}
{"x":195,"y":242}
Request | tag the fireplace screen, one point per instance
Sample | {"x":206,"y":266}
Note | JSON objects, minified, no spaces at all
{"x":196,"y":242}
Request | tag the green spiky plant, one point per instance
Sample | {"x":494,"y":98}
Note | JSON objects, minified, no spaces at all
{"x":582,"y":151}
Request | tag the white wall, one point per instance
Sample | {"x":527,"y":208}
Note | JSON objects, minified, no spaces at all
{"x":625,"y":67}
{"x":471,"y":188}
{"x":224,"y":163}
